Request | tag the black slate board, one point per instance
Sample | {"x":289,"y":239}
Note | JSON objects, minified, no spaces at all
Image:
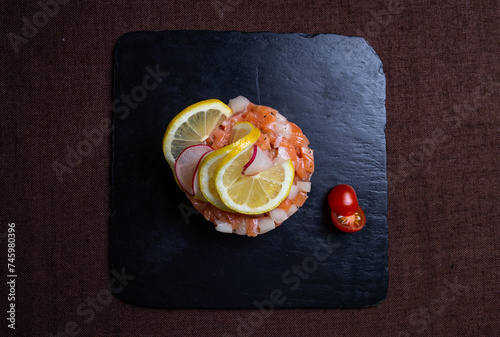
{"x":333,"y":87}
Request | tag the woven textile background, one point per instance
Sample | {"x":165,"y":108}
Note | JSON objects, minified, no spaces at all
{"x":441,"y":59}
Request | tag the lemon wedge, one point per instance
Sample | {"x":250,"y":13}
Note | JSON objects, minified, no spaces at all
{"x":248,"y":136}
{"x":192,"y":126}
{"x":256,"y":194}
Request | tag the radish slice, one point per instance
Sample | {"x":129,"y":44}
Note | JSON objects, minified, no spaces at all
{"x":266,"y":224}
{"x":278,"y":215}
{"x":258,"y":162}
{"x":252,"y":158}
{"x":196,"y":181}
{"x":293,"y":192}
{"x":238,"y":104}
{"x":186,"y":164}
{"x":304,"y":186}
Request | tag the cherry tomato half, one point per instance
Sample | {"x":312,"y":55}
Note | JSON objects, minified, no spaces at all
{"x":350,"y":223}
{"x":342,"y":200}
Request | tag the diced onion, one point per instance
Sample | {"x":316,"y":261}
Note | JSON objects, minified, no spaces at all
{"x":277,"y":143}
{"x":281,"y":156}
{"x":223,"y":227}
{"x":304,"y":186}
{"x":293,"y":192}
{"x":280,"y":118}
{"x":292,"y":210}
{"x":238,"y":104}
{"x":278,"y":215}
{"x":241,"y":230}
{"x":266,"y":224}
{"x":283,"y":128}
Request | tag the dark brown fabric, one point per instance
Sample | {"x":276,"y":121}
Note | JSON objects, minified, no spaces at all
{"x":442,"y":64}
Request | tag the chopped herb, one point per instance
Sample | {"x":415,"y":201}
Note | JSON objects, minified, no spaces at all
{"x":265,"y":116}
{"x":272,"y":113}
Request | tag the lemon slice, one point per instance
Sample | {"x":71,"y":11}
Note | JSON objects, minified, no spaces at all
{"x":240,"y":130}
{"x":208,"y":165}
{"x":192,"y":126}
{"x":255,"y":194}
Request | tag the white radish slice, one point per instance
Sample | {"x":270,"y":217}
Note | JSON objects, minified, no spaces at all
{"x":186,"y":164}
{"x":238,"y":104}
{"x":196,"y":181}
{"x":291,"y":211}
{"x":293,"y":192}
{"x":304,"y":186}
{"x":266,"y":224}
{"x":278,"y":215}
{"x":258,"y":162}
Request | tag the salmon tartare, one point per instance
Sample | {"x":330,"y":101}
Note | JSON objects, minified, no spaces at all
{"x":278,"y":139}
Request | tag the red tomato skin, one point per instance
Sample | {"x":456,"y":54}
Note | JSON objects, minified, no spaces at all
{"x":342,"y":200}
{"x":350,"y":226}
